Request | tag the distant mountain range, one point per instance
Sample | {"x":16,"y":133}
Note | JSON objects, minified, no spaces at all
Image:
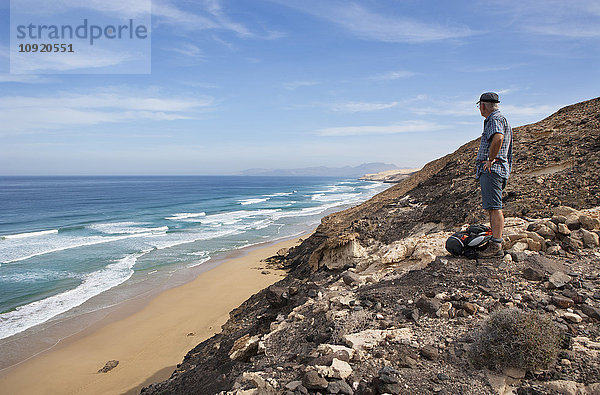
{"x":346,"y":171}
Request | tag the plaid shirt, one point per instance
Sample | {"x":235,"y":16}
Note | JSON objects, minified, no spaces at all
{"x":496,"y":123}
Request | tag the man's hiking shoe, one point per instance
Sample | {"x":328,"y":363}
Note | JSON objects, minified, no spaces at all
{"x":493,"y":250}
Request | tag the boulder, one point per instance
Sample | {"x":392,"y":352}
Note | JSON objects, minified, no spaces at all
{"x":445,"y":310}
{"x":534,"y":245}
{"x":559,"y":279}
{"x":313,"y":381}
{"x":574,"y":318}
{"x":369,"y":338}
{"x":562,"y":302}
{"x":564,"y":229}
{"x":470,"y":308}
{"x":428,"y":305}
{"x":546,"y":232}
{"x":277,"y":296}
{"x":388,"y":381}
{"x":430,"y":352}
{"x":573,"y":222}
{"x":589,"y":239}
{"x":398,"y":251}
{"x":589,"y":223}
{"x":544,"y":264}
{"x":336,"y":350}
{"x":350,"y":278}
{"x":518,"y":256}
{"x":519,"y":246}
{"x":533,"y":274}
{"x":244,"y":347}
{"x":338,"y":369}
{"x":590,"y":311}
{"x":110,"y":365}
{"x":559,"y":219}
{"x":564,"y":211}
{"x":552,"y":226}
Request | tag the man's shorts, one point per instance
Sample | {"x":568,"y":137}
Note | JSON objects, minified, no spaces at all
{"x":492,"y":186}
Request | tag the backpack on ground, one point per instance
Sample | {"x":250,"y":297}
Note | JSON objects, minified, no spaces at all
{"x":468,"y":242}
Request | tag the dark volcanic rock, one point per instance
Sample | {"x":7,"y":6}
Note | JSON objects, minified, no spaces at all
{"x":590,"y":311}
{"x":313,"y":381}
{"x":532,"y":274}
{"x":110,"y":365}
{"x":277,"y":296}
{"x":428,"y":305}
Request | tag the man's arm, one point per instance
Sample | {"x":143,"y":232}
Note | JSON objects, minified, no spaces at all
{"x":495,"y":146}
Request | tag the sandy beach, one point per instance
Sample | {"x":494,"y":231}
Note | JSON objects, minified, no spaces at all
{"x":148,"y":342}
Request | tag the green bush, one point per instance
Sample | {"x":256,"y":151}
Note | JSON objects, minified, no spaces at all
{"x":514,"y":338}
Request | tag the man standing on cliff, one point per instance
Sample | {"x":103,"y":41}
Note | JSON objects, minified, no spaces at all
{"x":494,"y":162}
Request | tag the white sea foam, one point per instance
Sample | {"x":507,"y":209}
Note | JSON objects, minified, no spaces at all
{"x":373,"y":185}
{"x":181,"y":216}
{"x":38,"y":312}
{"x":126,"y":228}
{"x":200,"y":262}
{"x":304,"y":212}
{"x":252,"y":201}
{"x":198,"y":253}
{"x":29,"y":234}
{"x":233,"y":217}
{"x":337,"y":197}
{"x":15,"y":252}
{"x":190,"y":237}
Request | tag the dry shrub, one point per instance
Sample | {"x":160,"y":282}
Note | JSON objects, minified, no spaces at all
{"x":517,"y":339}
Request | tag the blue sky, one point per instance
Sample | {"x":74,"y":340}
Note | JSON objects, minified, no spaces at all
{"x":295,"y":83}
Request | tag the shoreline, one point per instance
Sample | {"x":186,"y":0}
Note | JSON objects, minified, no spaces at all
{"x":165,"y":319}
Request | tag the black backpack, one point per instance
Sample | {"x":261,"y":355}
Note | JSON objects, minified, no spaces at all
{"x":469,"y":241}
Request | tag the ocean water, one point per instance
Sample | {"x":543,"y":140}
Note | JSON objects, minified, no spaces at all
{"x":65,"y":241}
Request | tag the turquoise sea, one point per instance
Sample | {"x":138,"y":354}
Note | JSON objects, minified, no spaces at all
{"x":71,"y":244}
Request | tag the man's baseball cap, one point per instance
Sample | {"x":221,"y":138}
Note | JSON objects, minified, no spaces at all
{"x":489,"y":97}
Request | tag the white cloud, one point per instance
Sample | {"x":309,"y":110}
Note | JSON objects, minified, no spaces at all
{"x":24,"y":78}
{"x":207,"y":15}
{"x":370,"y":25}
{"x":404,"y":127}
{"x":293,"y":85}
{"x":362,"y":106}
{"x":119,"y":8}
{"x":83,"y":58}
{"x":567,"y":19}
{"x":393,"y":75}
{"x":573,"y":31}
{"x":187,"y":49}
{"x":212,"y":16}
{"x":22,"y":114}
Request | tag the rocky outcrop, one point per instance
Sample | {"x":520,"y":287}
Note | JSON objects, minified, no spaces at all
{"x":373,"y":304}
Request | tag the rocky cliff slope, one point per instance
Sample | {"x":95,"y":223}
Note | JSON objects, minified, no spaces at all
{"x":373,"y":304}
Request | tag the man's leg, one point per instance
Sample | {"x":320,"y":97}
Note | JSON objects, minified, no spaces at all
{"x":497,"y":223}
